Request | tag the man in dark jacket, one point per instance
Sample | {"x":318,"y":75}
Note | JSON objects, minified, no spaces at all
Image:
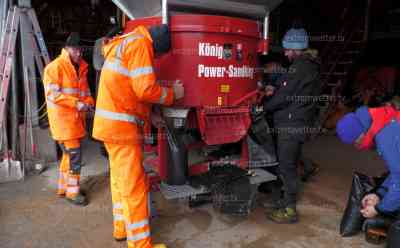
{"x":293,"y":104}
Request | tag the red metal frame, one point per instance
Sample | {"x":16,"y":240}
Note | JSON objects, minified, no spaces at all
{"x":219,"y":105}
{"x":159,"y":161}
{"x":223,"y":125}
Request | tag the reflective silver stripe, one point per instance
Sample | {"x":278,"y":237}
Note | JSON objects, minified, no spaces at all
{"x":70,"y":90}
{"x":56,"y":89}
{"x":53,"y":90}
{"x":118,"y":116}
{"x":118,"y":53}
{"x":72,"y":181}
{"x":139,"y":236}
{"x":116,"y":67}
{"x":61,"y":186}
{"x":121,"y":46}
{"x":85,"y":93}
{"x":51,"y":97}
{"x":51,"y":104}
{"x":72,"y":189}
{"x":163,"y":95}
{"x":141,"y":71}
{"x":117,"y":205}
{"x":130,"y":39}
{"x":137,"y":225}
{"x":116,"y":64}
{"x":118,"y":217}
{"x":51,"y":86}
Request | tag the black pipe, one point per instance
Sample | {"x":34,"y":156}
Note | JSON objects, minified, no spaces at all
{"x":177,"y":167}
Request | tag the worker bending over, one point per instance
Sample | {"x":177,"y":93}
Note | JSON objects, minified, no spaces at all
{"x":68,"y":98}
{"x":380,"y":127}
{"x":127,"y":90}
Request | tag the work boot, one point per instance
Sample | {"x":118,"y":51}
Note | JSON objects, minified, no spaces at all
{"x":120,"y":239}
{"x":60,"y":193}
{"x":79,"y":200}
{"x":286,"y":215}
{"x":159,"y":246}
{"x":119,"y":236}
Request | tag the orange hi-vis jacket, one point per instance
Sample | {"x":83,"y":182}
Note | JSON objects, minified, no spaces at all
{"x":64,"y":87}
{"x":127,"y":89}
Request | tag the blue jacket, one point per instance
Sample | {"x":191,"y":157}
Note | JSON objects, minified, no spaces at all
{"x":388,"y":147}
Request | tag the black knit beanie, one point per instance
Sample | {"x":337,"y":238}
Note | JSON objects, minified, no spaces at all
{"x":161,"y":38}
{"x":73,"y":40}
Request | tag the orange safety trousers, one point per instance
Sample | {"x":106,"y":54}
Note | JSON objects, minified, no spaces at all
{"x":129,"y":193}
{"x":68,"y":181}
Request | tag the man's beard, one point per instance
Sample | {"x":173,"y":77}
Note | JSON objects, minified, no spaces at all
{"x":286,"y":62}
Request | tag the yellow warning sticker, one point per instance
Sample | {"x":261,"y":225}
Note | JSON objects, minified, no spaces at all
{"x":225,"y":88}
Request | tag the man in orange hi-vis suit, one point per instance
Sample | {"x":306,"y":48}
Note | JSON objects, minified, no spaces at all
{"x":127,"y":89}
{"x":68,"y":98}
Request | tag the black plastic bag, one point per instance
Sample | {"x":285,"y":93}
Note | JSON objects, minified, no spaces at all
{"x":393,"y":239}
{"x":380,"y":179}
{"x":352,"y":219}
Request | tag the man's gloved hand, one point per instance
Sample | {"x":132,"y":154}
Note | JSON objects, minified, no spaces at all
{"x":179,"y":91}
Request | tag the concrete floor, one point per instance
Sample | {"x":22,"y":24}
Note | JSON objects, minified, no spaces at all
{"x":32,"y":216}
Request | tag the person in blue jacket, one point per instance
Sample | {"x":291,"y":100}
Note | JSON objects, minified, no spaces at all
{"x":354,"y":128}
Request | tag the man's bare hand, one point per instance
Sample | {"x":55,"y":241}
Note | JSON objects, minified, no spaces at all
{"x":369,"y":212}
{"x":269,"y":90}
{"x":370,"y":200}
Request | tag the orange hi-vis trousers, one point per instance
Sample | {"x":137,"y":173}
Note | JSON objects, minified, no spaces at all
{"x":129,"y":192}
{"x":70,"y":166}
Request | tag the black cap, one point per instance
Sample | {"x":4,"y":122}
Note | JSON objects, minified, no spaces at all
{"x":73,"y":40}
{"x":115,"y":30}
